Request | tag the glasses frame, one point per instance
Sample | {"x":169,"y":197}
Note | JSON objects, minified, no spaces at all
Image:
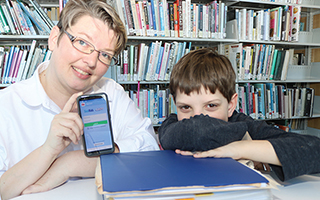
{"x":73,"y":38}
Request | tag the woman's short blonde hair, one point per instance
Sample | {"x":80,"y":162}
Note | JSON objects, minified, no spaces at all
{"x":75,"y":9}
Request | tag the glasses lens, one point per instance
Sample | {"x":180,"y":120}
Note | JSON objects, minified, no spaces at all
{"x":107,"y":58}
{"x":83,"y":46}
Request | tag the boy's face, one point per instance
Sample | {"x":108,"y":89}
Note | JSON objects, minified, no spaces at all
{"x":215,"y":105}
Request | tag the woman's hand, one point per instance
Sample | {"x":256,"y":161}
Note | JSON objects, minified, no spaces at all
{"x":66,"y":127}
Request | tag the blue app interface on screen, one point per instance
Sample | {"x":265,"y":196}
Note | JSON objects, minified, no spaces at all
{"x":96,"y":124}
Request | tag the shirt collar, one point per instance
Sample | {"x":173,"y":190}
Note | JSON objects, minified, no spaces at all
{"x":32,"y":92}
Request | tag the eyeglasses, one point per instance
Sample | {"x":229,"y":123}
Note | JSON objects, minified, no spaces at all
{"x":86,"y":47}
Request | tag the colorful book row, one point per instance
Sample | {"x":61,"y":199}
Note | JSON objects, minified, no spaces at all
{"x":151,"y":62}
{"x":180,"y":18}
{"x":19,"y":62}
{"x":271,"y":101}
{"x":154,"y":102}
{"x":259,"y":61}
{"x":284,"y":1}
{"x":17,"y":18}
{"x":276,"y":24}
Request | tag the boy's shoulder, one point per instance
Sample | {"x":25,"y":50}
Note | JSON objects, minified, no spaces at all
{"x":237,"y":117}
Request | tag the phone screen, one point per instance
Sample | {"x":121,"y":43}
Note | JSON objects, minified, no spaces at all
{"x":94,"y":111}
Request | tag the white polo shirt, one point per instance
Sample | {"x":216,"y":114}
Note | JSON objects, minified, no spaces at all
{"x":26,"y":113}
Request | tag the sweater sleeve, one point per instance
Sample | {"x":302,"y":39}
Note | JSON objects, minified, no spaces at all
{"x":298,"y":154}
{"x":199,"y":133}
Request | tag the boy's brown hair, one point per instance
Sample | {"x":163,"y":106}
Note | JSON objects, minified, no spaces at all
{"x":203,"y":67}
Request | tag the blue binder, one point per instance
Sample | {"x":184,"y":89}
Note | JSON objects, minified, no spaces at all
{"x":151,"y":170}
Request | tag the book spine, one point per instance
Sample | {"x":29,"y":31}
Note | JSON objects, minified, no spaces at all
{"x":43,"y":15}
{"x":14,"y":18}
{"x":129,"y":17}
{"x":146,"y":17}
{"x":157,"y":17}
{"x":139,"y":19}
{"x":162,"y":20}
{"x":180,"y":10}
{"x":176,"y":20}
{"x":200,"y":22}
{"x":5,"y":24}
{"x":125,"y":64}
{"x":8,"y":18}
{"x":295,"y":23}
{"x":17,"y":67}
{"x":151,"y":24}
{"x":159,"y":64}
{"x":172,"y":21}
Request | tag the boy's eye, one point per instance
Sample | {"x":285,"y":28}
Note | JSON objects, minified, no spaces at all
{"x":211,"y":105}
{"x":184,"y":107}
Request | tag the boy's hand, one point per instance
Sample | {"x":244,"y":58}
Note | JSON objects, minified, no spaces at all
{"x":66,"y":127}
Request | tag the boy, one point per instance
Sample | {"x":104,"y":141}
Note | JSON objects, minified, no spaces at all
{"x":203,"y":87}
{"x":40,"y":131}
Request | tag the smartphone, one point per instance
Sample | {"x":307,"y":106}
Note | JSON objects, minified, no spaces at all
{"x":97,"y":132}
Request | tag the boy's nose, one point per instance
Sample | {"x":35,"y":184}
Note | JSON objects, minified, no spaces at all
{"x":197,"y":112}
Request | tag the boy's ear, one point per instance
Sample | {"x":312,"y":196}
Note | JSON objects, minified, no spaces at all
{"x":232,"y":104}
{"x":53,"y":38}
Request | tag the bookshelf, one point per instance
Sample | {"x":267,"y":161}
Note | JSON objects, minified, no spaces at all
{"x":304,"y":75}
{"x":308,"y":45}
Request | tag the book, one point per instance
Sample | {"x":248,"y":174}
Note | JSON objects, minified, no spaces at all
{"x":22,"y":65}
{"x":235,"y":56}
{"x":261,"y":100}
{"x":7,"y":15}
{"x":42,"y":14}
{"x":295,"y":23}
{"x":14,"y":17}
{"x":29,"y":59}
{"x":279,"y":64}
{"x":171,"y":19}
{"x":286,"y":62}
{"x":36,"y":59}
{"x":164,"y":63}
{"x":8,"y":66}
{"x":2,"y":58}
{"x":128,"y":16}
{"x":134,"y":174}
{"x":21,"y":20}
{"x":121,"y":13}
{"x":3,"y":21}
{"x":308,"y":110}
{"x":273,"y":65}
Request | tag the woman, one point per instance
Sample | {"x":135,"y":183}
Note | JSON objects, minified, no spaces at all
{"x":40,"y":128}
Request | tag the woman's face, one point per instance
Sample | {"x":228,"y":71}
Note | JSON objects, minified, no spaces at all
{"x":76,"y":71}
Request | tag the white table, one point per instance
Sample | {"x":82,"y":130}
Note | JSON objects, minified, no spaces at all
{"x":303,"y":187}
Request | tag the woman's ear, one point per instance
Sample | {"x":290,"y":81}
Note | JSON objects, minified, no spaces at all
{"x":53,"y":38}
{"x":232,"y":104}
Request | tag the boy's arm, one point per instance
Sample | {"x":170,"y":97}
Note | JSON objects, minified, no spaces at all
{"x":199,"y":133}
{"x":298,"y":154}
{"x":256,"y":150}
